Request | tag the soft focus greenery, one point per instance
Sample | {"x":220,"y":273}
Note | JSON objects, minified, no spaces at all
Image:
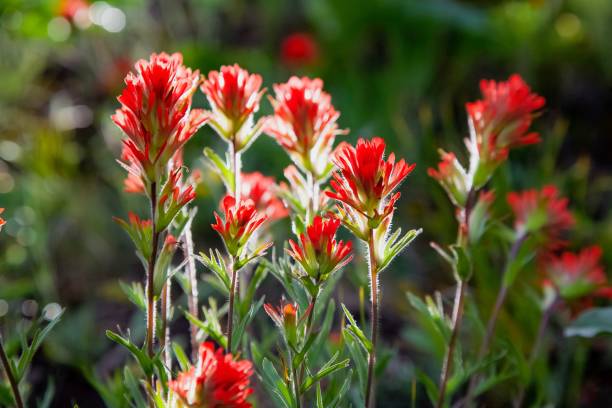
{"x":400,"y":69}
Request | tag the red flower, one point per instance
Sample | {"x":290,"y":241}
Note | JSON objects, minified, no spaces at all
{"x":501,"y":120}
{"x":297,"y":194}
{"x":241,"y":221}
{"x":319,"y":253}
{"x":2,"y":222}
{"x":299,"y":49}
{"x":262,"y":190}
{"x":540,"y":211}
{"x":452,"y":177}
{"x":156,"y":114}
{"x":216,"y":381}
{"x":365,"y":179}
{"x":304,"y":123}
{"x":577,"y":275}
{"x":70,"y":8}
{"x":234,"y":95}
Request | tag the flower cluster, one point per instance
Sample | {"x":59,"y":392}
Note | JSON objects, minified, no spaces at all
{"x":299,"y":49}
{"x":240,"y":223}
{"x":499,"y":122}
{"x":216,"y":381}
{"x":319,"y":253}
{"x":577,"y":275}
{"x":234,"y":96}
{"x":262,"y":191}
{"x":540,"y":211}
{"x":304,"y":124}
{"x":156,"y":115}
{"x":364,"y":183}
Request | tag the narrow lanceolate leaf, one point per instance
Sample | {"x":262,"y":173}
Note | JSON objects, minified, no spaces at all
{"x":243,"y":323}
{"x":276,"y":386}
{"x":135,"y":294}
{"x":215,"y":262}
{"x":395,"y":245}
{"x":29,"y":350}
{"x":141,"y":357}
{"x":329,"y":368}
{"x":354,"y":329}
{"x":181,"y":356}
{"x":210,"y":329}
{"x":218,"y":165}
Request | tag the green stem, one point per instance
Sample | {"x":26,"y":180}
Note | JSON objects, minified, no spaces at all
{"x":150,"y":282}
{"x":192,"y":298}
{"x":10,"y":376}
{"x":448,"y":358}
{"x":373,"y":269}
{"x":232,"y":297}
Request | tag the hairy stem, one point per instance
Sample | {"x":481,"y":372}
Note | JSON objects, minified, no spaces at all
{"x":373,"y":269}
{"x":165,"y":329}
{"x":448,"y":358}
{"x":150,"y":280}
{"x":232,"y":298}
{"x":192,"y":298}
{"x":11,"y":377}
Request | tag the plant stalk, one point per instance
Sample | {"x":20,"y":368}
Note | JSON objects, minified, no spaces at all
{"x":165,"y":329}
{"x":192,"y":298}
{"x":150,"y":281}
{"x":232,"y":298}
{"x":11,"y":377}
{"x":448,"y":358}
{"x":370,"y":385}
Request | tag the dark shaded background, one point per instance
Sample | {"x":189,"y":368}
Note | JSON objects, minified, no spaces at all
{"x":401,"y":69}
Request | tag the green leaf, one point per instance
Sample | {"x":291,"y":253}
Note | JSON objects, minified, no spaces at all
{"x":243,"y":323}
{"x":219,"y":166}
{"x":210,"y":329}
{"x":276,"y":386}
{"x":593,"y":322}
{"x":430,"y":386}
{"x":217,"y":265}
{"x":394,"y":245}
{"x":323,"y":372}
{"x":141,"y":357}
{"x":462,"y":266}
{"x":181,"y":356}
{"x":28,"y":353}
{"x":359,"y":359}
{"x":134,"y":293}
{"x":354,"y":329}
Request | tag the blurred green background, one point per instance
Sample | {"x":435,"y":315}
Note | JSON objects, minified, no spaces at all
{"x":401,"y":69}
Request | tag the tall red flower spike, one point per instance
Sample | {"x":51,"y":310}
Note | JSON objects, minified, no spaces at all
{"x":241,"y":221}
{"x":299,"y":49}
{"x":234,"y":96}
{"x":156,"y":114}
{"x":304,"y":123}
{"x":216,"y":381}
{"x":577,"y":275}
{"x":263,"y":191}
{"x":541,"y":211}
{"x":501,"y":120}
{"x":366,"y":180}
{"x":318,"y":252}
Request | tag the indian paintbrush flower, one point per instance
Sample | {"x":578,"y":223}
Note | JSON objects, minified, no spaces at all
{"x":318,"y":251}
{"x":263,"y":191}
{"x":540,"y":211}
{"x":304,"y":124}
{"x":216,"y":381}
{"x":241,"y":221}
{"x":156,"y":114}
{"x":286,"y":318}
{"x":2,"y":222}
{"x":499,"y":122}
{"x":234,"y":96}
{"x":576,"y":275}
{"x":365,"y":182}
